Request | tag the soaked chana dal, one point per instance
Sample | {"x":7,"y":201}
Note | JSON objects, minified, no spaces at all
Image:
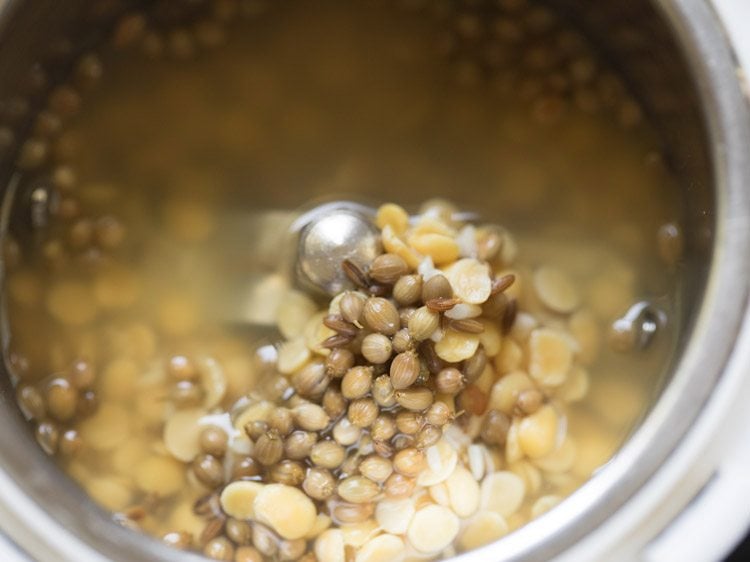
{"x":465,"y":382}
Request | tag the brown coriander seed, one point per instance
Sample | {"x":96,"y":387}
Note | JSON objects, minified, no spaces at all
{"x":494,"y":307}
{"x":350,"y":466}
{"x":269,"y":448}
{"x":265,"y":540}
{"x":186,"y":394}
{"x":409,"y":422}
{"x":529,"y":401}
{"x":489,"y":244}
{"x":319,"y":483}
{"x":181,"y":540}
{"x":427,"y":436}
{"x":439,"y":414}
{"x":381,"y":316}
{"x":288,"y":472}
{"x":404,"y":370}
{"x":379,"y":290}
{"x":30,"y":401}
{"x":429,"y":355}
{"x":382,"y":391}
{"x":402,"y":441}
{"x":299,"y":444}
{"x":71,"y":443}
{"x":358,"y":489}
{"x":409,"y":462}
{"x":408,"y":290}
{"x":423,"y":323}
{"x":344,"y":433}
{"x":207,"y":505}
{"x":495,"y":428}
{"x":239,"y":532}
{"x":345,"y":512}
{"x":449,"y":381}
{"x":351,"y":306}
{"x":405,"y":314}
{"x":180,"y":368}
{"x":311,"y":417}
{"x":282,"y":420}
{"x":383,"y":428}
{"x":415,"y":398}
{"x":220,"y":548}
{"x":338,"y":362}
{"x":472,"y":400}
{"x":88,"y":402}
{"x":255,"y":429}
{"x":376,"y":348}
{"x":356,"y":382}
{"x":474,"y":366}
{"x":312,"y":380}
{"x":291,"y":549}
{"x":327,"y":454}
{"x":82,"y":374}
{"x":247,"y":554}
{"x":402,"y":341}
{"x":388,"y":268}
{"x":276,"y":387}
{"x":362,"y":412}
{"x":436,"y":287}
{"x":376,"y":468}
{"x":383,"y":449}
{"x":209,"y":470}
{"x":61,"y":398}
{"x":213,"y":528}
{"x":399,"y":486}
{"x":295,"y":400}
{"x":334,"y":402}
{"x":246,"y":467}
{"x":213,"y":441}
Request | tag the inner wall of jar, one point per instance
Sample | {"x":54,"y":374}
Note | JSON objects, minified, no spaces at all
{"x":515,"y":213}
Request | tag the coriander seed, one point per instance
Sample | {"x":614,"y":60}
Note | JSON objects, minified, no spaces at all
{"x":352,"y":305}
{"x":383,"y":392}
{"x":436,"y":287}
{"x":381,"y":316}
{"x":404,"y":370}
{"x":449,"y":381}
{"x":423,"y":323}
{"x":415,"y":398}
{"x":356,"y":382}
{"x":362,"y":412}
{"x":338,"y":362}
{"x":388,"y":268}
{"x":327,"y":454}
{"x":376,"y":348}
{"x":269,"y":448}
{"x":408,"y":290}
{"x":319,"y":484}
{"x":299,"y":444}
{"x":209,"y":470}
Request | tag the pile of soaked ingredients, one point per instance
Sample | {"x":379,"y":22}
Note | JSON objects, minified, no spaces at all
{"x":419,"y":414}
{"x":443,"y":399}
